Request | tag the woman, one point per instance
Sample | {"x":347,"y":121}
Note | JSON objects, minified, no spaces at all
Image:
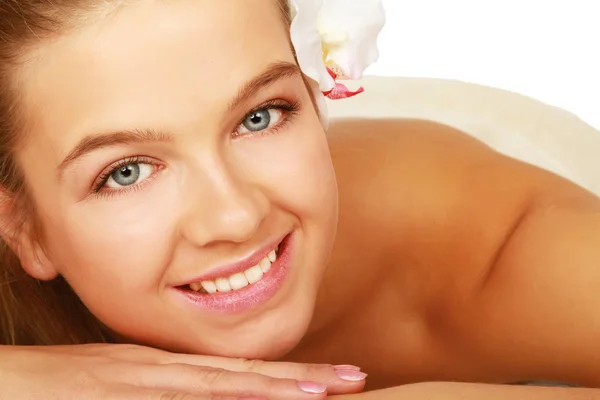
{"x":166,"y":160}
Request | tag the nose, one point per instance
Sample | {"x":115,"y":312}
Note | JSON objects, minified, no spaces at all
{"x":226,"y":207}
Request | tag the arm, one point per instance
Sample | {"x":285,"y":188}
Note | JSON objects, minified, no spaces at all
{"x":464,"y":391}
{"x":111,"y":371}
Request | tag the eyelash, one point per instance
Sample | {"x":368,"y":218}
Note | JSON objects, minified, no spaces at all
{"x":106,"y":174}
{"x":289,"y":110}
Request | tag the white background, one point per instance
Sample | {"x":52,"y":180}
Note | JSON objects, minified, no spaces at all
{"x":548,"y":50}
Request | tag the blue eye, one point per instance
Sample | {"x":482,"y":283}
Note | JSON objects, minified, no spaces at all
{"x":128,"y":175}
{"x":260,"y":120}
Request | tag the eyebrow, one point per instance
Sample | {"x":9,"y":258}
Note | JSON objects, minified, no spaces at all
{"x":272,"y":74}
{"x":98,"y":141}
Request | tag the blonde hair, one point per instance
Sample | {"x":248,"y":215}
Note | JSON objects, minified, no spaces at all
{"x":33,"y":312}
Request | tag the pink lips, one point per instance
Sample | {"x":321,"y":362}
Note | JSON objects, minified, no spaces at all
{"x":252,"y":295}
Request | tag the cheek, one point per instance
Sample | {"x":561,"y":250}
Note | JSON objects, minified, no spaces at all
{"x":308,"y":181}
{"x":295,"y":170}
{"x":122,"y":245}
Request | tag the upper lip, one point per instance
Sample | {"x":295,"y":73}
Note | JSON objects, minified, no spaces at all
{"x":237,"y":266}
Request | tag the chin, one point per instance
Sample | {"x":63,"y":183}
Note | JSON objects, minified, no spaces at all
{"x":268,"y":340}
{"x":279,"y":345}
{"x":267,"y":350}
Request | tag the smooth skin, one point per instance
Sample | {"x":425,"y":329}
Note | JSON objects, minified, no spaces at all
{"x":451,"y":262}
{"x":448,"y":286}
{"x":485,"y":267}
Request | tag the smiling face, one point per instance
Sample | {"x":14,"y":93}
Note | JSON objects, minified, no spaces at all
{"x":174,"y":145}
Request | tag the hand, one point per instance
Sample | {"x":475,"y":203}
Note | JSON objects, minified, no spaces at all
{"x":127,"y":372}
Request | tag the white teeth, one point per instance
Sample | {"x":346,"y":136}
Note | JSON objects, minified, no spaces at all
{"x":265,"y":265}
{"x":223,"y":285}
{"x":209,"y":286}
{"x":237,"y":281}
{"x":254,"y":274}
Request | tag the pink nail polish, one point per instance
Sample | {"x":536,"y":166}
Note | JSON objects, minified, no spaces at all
{"x":346,"y":367}
{"x":312,"y":387}
{"x":350,"y":375}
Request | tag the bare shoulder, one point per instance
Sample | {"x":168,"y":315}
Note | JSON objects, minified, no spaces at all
{"x":425,"y":178}
{"x":475,"y":239}
{"x":427,"y":193}
{"x":431,"y":178}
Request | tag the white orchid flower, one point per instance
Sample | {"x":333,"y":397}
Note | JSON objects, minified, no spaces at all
{"x":336,"y":39}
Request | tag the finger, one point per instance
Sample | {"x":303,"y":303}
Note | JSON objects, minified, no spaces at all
{"x":221,"y":382}
{"x":339,"y":380}
{"x":136,"y":393}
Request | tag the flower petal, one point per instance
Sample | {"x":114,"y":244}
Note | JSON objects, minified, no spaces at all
{"x":307,"y":42}
{"x":360,"y":22}
{"x":342,"y":92}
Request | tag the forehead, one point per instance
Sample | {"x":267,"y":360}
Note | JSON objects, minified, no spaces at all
{"x":150,"y":61}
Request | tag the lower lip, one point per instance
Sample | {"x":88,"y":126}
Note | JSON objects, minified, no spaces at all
{"x":251,"y":296}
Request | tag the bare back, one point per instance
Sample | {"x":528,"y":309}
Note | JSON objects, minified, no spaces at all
{"x":427,"y":215}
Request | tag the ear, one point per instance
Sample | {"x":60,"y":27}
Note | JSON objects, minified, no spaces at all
{"x":16,"y":229}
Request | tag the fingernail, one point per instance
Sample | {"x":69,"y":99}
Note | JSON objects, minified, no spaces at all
{"x":346,"y":367}
{"x":350,"y":375}
{"x":312,"y":387}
